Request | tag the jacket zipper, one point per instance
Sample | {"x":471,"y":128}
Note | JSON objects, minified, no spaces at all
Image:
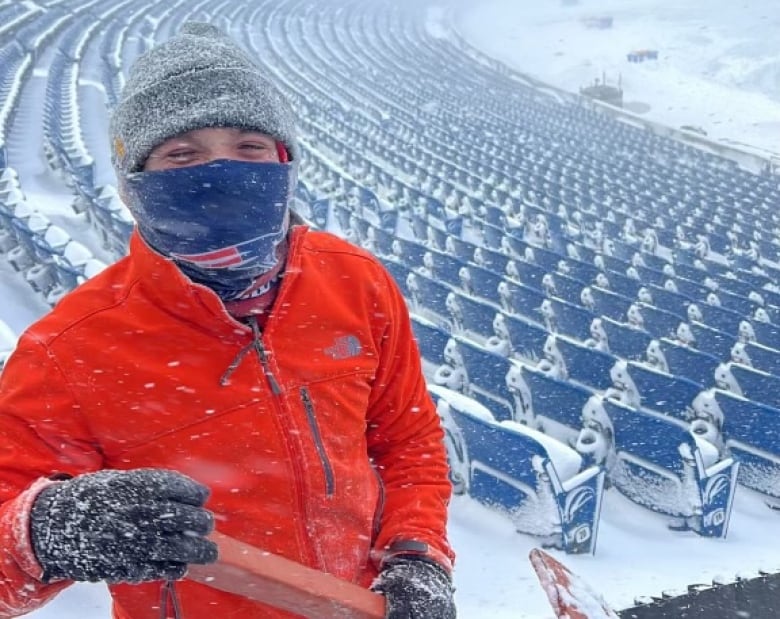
{"x":327,"y":468}
{"x":170,"y":601}
{"x":275,"y":388}
{"x":380,"y":504}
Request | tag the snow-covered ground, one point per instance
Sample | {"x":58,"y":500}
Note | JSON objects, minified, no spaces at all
{"x":719,"y":68}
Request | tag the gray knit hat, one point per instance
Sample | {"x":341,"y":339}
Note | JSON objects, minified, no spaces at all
{"x":199,"y":78}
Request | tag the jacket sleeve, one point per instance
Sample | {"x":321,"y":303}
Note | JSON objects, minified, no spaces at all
{"x":41,"y":434}
{"x":406,"y":444}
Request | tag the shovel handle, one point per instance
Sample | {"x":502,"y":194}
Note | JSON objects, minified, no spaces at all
{"x":273,"y":580}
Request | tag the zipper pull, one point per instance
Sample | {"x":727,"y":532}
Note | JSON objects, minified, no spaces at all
{"x":275,"y":388}
{"x":263,"y":356}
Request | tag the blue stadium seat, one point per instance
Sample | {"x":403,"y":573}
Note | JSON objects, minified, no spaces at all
{"x":429,"y":297}
{"x":752,"y":433}
{"x":526,"y":338}
{"x":521,"y":300}
{"x":761,"y":357}
{"x":709,"y":340}
{"x":523,"y":473}
{"x":670,"y":357}
{"x":557,"y":404}
{"x":400,"y":273}
{"x":655,"y":456}
{"x":431,"y":340}
{"x":586,"y":365}
{"x":754,"y":384}
{"x":657,"y":390}
{"x":486,"y":378}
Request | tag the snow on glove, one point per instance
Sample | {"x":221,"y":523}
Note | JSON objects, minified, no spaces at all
{"x":415,"y":588}
{"x":122,"y":526}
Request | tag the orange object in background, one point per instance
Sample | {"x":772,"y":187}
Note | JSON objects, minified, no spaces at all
{"x":264,"y":577}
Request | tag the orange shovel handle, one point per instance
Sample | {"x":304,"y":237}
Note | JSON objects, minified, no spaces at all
{"x":273,"y":580}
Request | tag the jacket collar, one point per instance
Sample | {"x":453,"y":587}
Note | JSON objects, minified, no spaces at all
{"x":166,"y":286}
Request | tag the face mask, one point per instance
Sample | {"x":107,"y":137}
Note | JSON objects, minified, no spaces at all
{"x":221,"y":222}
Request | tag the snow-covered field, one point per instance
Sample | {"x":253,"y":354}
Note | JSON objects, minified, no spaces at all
{"x":719,"y":68}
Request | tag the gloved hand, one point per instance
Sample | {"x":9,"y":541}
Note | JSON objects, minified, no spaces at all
{"x":122,"y":526}
{"x":415,"y":588}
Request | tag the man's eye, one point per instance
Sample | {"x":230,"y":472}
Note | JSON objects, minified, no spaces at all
{"x":253,"y":146}
{"x":181,"y":155}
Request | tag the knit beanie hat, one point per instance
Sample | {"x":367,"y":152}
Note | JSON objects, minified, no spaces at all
{"x":197,"y":79}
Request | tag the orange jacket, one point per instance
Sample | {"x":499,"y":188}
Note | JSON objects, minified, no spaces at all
{"x":323,"y":446}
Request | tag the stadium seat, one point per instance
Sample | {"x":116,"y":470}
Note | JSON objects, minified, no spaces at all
{"x":541,"y":484}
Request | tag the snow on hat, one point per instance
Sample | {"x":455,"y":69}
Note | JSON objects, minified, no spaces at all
{"x":199,"y":78}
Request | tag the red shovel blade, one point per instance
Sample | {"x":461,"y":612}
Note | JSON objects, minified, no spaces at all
{"x":273,"y":580}
{"x":570,"y":596}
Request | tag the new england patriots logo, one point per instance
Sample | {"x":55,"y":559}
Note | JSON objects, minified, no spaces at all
{"x":259,"y":251}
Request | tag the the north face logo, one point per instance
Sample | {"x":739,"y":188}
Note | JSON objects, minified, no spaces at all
{"x":344,"y":347}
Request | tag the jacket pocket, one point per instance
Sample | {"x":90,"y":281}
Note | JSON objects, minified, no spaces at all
{"x":311,"y":417}
{"x":380,"y":505}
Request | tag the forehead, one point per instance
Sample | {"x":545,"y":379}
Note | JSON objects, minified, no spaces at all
{"x":211,"y":134}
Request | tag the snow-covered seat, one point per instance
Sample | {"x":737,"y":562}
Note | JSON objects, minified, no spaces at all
{"x":69,"y":270}
{"x":750,"y":383}
{"x":567,"y":318}
{"x":8,"y":176}
{"x":480,"y":282}
{"x":76,"y":255}
{"x":122,"y":225}
{"x":655,"y":321}
{"x":68,"y":274}
{"x":758,"y":356}
{"x":604,"y":302}
{"x":10,"y":191}
{"x":480,"y":374}
{"x":563,"y":287}
{"x":652,"y":389}
{"x":521,"y":300}
{"x":431,"y":340}
{"x":660,"y":463}
{"x":706,"y":339}
{"x":488,"y":259}
{"x":53,"y":241}
{"x":670,"y":357}
{"x":410,"y":253}
{"x":27,"y":230}
{"x":443,"y":267}
{"x":92,"y":267}
{"x":378,"y":241}
{"x":717,"y":318}
{"x":584,"y":364}
{"x":525,"y":338}
{"x":542,"y":484}
{"x":767,"y":333}
{"x":42,"y":275}
{"x":102,"y":210}
{"x":471,"y":317}
{"x":400,"y":273}
{"x":22,"y":209}
{"x":430,"y":298}
{"x":752,"y":433}
{"x":555,"y":404}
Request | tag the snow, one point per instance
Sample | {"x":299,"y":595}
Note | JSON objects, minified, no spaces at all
{"x":718,"y":66}
{"x":566,"y":461}
{"x":718,"y":69}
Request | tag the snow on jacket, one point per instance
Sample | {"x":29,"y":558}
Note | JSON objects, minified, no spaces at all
{"x":321,"y":445}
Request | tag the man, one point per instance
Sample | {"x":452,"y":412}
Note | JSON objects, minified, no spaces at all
{"x":235,"y":369}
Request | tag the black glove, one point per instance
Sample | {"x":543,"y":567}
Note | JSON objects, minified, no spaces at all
{"x":122,"y":526}
{"x":415,"y":588}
